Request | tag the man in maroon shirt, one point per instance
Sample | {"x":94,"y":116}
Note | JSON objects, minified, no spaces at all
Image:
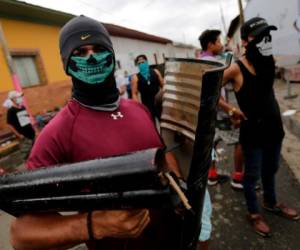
{"x":95,"y":123}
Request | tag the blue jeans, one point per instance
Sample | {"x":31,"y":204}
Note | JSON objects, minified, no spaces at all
{"x":206,"y":226}
{"x":260,"y":162}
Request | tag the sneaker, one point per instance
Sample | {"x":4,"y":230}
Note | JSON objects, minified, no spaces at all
{"x":211,"y":181}
{"x":237,"y":181}
{"x":212,"y":176}
{"x":236,"y":184}
{"x":259,"y":225}
{"x":219,"y":179}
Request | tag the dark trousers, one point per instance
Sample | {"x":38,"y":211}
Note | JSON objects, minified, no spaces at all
{"x":260,"y":162}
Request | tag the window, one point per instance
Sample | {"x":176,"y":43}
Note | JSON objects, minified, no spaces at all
{"x":29,"y":67}
{"x":26,"y":70}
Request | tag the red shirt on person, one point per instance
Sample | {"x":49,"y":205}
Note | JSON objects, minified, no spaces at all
{"x":78,"y":133}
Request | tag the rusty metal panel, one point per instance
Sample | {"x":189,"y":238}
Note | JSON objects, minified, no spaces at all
{"x":182,"y":92}
{"x":190,"y":97}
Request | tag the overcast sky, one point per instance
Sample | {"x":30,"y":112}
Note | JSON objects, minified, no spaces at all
{"x":178,"y":20}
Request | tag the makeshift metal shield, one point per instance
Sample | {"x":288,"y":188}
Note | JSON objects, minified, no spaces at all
{"x":190,"y":97}
{"x":121,"y":182}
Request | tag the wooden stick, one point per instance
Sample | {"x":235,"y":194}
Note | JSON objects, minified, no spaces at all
{"x":178,"y":190}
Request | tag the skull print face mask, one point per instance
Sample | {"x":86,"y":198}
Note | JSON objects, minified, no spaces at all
{"x":93,"y":69}
{"x":265,"y":46}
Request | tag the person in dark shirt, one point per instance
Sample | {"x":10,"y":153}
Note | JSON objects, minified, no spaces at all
{"x":18,"y":121}
{"x":148,"y":83}
{"x":96,"y":123}
{"x":261,"y":129}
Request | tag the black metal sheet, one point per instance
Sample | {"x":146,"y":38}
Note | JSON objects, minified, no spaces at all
{"x":117,"y":182}
{"x":191,"y":93}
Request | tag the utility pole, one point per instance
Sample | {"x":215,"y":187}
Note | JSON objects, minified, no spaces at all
{"x":242,"y":19}
{"x":12,"y":70}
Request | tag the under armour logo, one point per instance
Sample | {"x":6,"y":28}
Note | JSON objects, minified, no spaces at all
{"x":117,"y":116}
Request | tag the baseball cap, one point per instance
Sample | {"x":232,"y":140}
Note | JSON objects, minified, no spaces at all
{"x":13,"y":94}
{"x":255,"y":26}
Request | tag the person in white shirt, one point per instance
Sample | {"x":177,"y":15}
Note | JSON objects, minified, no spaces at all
{"x":121,"y":84}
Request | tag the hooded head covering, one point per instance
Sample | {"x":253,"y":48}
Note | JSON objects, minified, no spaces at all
{"x":259,"y":51}
{"x":79,"y":31}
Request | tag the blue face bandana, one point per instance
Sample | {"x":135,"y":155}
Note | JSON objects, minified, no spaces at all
{"x":144,"y":70}
{"x":93,"y":69}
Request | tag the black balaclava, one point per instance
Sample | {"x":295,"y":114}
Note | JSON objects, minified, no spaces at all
{"x":259,"y":50}
{"x":264,"y":65}
{"x":81,"y":31}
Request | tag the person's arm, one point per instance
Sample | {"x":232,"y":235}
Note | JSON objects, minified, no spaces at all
{"x":231,"y":74}
{"x":121,"y":84}
{"x":160,"y":78}
{"x":47,"y":231}
{"x":172,"y":164}
{"x":232,"y":111}
{"x":234,"y":76}
{"x":134,"y":88}
{"x":54,"y":231}
{"x":122,"y":89}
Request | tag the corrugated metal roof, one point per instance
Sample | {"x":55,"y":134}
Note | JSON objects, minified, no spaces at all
{"x":27,"y":12}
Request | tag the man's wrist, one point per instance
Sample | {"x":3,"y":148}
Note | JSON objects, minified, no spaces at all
{"x":231,"y":111}
{"x":78,"y":227}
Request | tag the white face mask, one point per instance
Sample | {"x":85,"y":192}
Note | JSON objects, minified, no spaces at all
{"x":265,"y":46}
{"x":19,"y":100}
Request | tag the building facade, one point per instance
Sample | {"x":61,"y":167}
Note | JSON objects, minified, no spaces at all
{"x":31,"y":34}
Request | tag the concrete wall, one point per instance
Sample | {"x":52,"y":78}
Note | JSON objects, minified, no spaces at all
{"x":127,"y":49}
